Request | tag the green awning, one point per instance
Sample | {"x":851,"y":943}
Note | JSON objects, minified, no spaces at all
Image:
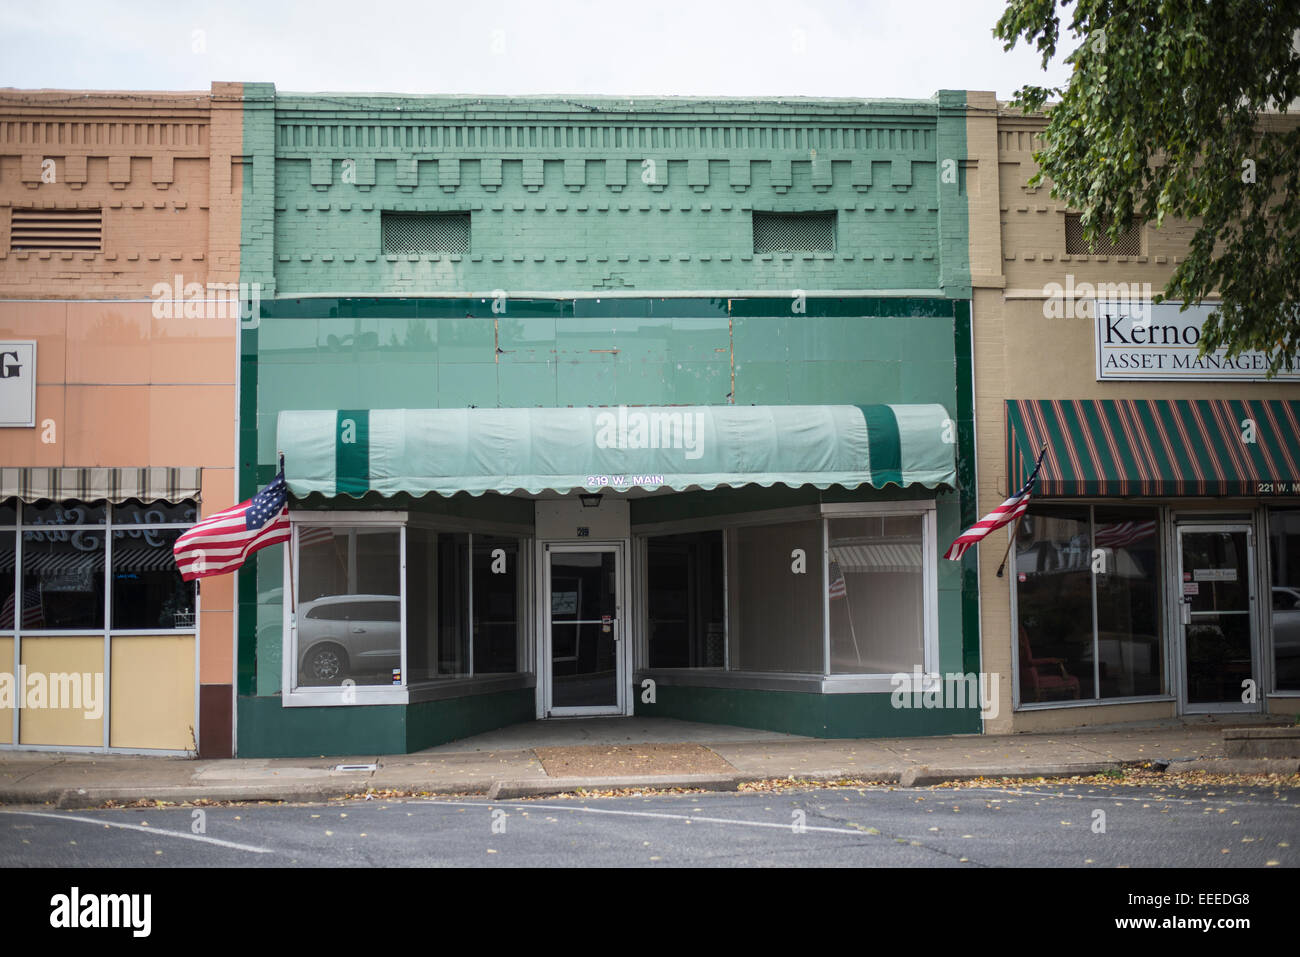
{"x":418,"y":451}
{"x":1155,"y":447}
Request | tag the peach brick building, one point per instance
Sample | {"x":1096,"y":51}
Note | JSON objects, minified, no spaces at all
{"x":107,"y":201}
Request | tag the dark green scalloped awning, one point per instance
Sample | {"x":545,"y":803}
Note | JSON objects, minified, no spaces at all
{"x":445,"y":451}
{"x":1155,"y":447}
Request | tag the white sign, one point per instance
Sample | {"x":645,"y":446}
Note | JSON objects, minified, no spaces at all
{"x":18,"y":384}
{"x":1215,"y":574}
{"x":1145,"y":340}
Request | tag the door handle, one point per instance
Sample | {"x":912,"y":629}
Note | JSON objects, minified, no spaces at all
{"x":358,"y":631}
{"x":1187,"y":611}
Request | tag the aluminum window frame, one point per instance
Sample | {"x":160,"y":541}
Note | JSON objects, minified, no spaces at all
{"x":107,"y":632}
{"x":407,"y":692}
{"x":927,"y":511}
{"x":826,"y":683}
{"x":1165,"y":524}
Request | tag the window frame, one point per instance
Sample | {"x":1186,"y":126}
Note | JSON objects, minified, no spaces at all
{"x":824,"y":683}
{"x":1164,"y":528}
{"x":407,"y":692}
{"x":12,"y":629}
{"x":1268,"y":634}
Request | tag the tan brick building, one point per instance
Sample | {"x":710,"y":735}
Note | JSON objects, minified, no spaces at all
{"x":117,"y":210}
{"x":1158,"y":571}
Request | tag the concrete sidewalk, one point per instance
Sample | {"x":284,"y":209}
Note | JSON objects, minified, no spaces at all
{"x":541,"y":758}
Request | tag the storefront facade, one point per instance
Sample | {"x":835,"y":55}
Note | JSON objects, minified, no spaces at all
{"x":649,"y":407}
{"x":1155,"y":573}
{"x":118,"y":387}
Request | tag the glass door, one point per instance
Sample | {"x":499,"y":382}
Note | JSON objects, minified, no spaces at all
{"x":584,"y":630}
{"x":1217,"y":618}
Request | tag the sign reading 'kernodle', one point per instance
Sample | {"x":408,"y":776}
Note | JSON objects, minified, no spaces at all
{"x":1145,"y":340}
{"x":635,"y":429}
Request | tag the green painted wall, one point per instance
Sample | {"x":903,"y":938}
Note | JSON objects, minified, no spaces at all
{"x":815,"y":715}
{"x":266,"y":730}
{"x":562,"y":199}
{"x":615,"y":193}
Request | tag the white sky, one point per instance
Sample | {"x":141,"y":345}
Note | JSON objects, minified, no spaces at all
{"x":869,"y":48}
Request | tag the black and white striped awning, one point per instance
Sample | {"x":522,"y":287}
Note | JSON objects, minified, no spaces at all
{"x":114,"y":485}
{"x":39,"y":560}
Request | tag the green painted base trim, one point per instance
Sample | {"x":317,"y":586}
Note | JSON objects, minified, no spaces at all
{"x":269,"y":730}
{"x":431,"y":723}
{"x":814,"y":715}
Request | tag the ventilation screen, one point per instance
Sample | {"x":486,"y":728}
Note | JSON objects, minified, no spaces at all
{"x":1130,"y":241}
{"x":794,"y":232}
{"x":426,"y":232}
{"x":64,"y":230}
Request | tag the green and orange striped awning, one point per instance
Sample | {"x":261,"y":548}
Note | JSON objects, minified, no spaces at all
{"x":1157,"y":448}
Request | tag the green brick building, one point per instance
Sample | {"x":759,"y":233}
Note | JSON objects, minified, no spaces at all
{"x":604,"y":406}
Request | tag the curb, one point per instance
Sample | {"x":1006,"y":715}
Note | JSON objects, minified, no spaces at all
{"x":919,"y":777}
{"x":506,"y":790}
{"x":497,"y":789}
{"x":1240,"y":765}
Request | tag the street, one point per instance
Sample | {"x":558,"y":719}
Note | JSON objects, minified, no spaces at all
{"x":1043,"y":826}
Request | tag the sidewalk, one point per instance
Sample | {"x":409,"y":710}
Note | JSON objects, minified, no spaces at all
{"x":557,"y":756}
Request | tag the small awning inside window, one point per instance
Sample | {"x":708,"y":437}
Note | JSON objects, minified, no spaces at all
{"x":116,"y":485}
{"x":445,"y":451}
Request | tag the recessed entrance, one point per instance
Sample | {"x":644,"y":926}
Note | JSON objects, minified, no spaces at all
{"x":1217,"y":619}
{"x":583,"y":634}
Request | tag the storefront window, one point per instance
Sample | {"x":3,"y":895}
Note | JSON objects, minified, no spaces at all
{"x":876,"y":587}
{"x":464,"y":610}
{"x":63,"y":566}
{"x":349,"y":606}
{"x":148,"y":591}
{"x":497,"y":580}
{"x":686,"y":600}
{"x":1070,"y":560}
{"x":8,"y":558}
{"x":64,"y":546}
{"x":775,"y":598}
{"x":1284,"y":559}
{"x":1127,"y":558}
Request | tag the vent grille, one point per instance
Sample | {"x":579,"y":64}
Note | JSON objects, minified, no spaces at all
{"x":426,"y":232}
{"x":71,"y":230}
{"x":794,"y":232}
{"x":1130,"y":241}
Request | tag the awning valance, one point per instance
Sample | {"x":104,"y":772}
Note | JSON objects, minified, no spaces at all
{"x":1155,"y":447}
{"x":115,"y":485}
{"x":418,"y":451}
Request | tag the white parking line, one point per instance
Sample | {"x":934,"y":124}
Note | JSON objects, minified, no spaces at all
{"x":148,"y":830}
{"x":656,"y":814}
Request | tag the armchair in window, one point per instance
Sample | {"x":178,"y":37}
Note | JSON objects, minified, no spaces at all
{"x":1043,"y":679}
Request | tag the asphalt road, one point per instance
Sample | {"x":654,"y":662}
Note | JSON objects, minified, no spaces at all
{"x":967,"y":827}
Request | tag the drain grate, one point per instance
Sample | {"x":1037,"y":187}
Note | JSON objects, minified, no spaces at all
{"x":356,"y":767}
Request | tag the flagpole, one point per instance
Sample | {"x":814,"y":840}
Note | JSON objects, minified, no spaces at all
{"x":1015,"y":529}
{"x":293,"y":605}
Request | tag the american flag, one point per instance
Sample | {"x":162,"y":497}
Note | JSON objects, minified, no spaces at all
{"x":1123,"y":534}
{"x":838,"y":588}
{"x":310,"y":535}
{"x":33,"y":617}
{"x":1004,"y":514}
{"x":223,"y":542}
